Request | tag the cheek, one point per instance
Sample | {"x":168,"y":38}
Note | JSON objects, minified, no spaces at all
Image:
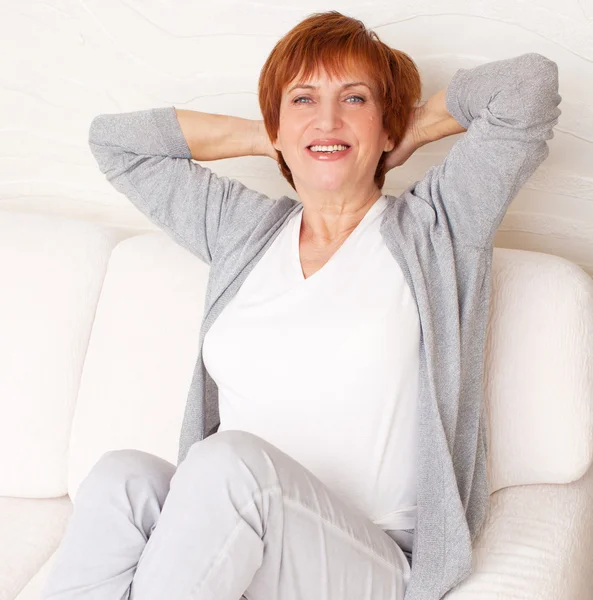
{"x":370,"y":121}
{"x":374,"y":127}
{"x":287,"y":125}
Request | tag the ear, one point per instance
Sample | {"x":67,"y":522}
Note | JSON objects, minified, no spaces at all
{"x":276,"y":144}
{"x":389,"y":145}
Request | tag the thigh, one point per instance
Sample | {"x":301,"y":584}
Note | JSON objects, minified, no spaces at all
{"x":316,"y":545}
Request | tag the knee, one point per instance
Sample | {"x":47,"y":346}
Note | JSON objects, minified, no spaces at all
{"x":117,"y":468}
{"x":226,"y":451}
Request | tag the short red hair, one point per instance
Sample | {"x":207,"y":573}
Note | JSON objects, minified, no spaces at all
{"x":338,"y":44}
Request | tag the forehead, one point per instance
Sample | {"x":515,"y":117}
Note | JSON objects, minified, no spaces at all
{"x":322,"y":73}
{"x":321,"y":78}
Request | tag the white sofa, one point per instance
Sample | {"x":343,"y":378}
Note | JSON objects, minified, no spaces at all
{"x":98,"y":339}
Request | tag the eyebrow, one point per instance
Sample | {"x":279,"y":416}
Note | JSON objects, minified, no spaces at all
{"x":308,"y":86}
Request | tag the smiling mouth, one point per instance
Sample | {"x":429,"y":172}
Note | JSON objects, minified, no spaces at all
{"x":345,"y":147}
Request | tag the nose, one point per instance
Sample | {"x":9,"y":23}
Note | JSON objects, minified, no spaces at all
{"x":329,"y":116}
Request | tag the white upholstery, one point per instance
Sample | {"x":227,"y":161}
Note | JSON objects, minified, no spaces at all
{"x":141,"y":355}
{"x":51,"y":270}
{"x":539,"y":370}
{"x":537,"y":545}
{"x":30,"y":531}
{"x":139,"y":359}
{"x":34,"y":587}
{"x":145,"y":342}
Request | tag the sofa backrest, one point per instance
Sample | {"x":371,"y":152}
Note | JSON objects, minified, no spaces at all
{"x":538,"y":361}
{"x":99,"y":338}
{"x":51,"y":273}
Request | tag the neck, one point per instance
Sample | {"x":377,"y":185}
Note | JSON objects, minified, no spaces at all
{"x":329,"y":220}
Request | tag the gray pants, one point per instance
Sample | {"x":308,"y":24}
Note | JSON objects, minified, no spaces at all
{"x":241,"y":519}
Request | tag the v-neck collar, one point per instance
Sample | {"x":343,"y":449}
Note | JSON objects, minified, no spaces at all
{"x":296,"y":230}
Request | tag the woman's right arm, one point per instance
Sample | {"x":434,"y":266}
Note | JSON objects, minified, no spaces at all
{"x":147,"y":156}
{"x":212,"y":137}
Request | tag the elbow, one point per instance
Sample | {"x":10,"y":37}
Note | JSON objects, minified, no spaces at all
{"x":97,"y":130}
{"x":540,"y":72}
{"x":538,"y":86}
{"x":548,"y":71}
{"x":104,"y":152}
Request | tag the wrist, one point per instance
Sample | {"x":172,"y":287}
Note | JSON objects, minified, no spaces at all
{"x":436,"y":120}
{"x":261,"y":144}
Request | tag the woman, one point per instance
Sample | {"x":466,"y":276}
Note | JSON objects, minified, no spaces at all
{"x":334,"y":435}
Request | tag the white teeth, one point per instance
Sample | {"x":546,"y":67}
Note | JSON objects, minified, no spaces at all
{"x":328,"y":148}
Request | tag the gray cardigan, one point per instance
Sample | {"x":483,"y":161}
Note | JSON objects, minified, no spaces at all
{"x":440,"y":230}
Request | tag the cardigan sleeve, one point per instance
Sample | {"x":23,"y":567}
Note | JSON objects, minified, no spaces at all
{"x":509,"y":108}
{"x":145,"y":156}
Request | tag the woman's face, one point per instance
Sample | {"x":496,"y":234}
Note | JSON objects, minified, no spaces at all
{"x":332,"y":109}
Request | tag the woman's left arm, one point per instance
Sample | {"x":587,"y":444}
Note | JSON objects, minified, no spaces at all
{"x":428,"y":122}
{"x":508,"y":109}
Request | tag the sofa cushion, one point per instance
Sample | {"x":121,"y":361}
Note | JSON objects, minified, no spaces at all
{"x":51,"y":272}
{"x":35,"y":587}
{"x":141,"y":354}
{"x":538,"y":380}
{"x":31,"y":530}
{"x":539,"y":370}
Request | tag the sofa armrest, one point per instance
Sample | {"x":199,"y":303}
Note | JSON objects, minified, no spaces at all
{"x":537,"y":543}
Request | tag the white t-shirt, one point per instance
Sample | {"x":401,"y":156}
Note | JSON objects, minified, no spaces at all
{"x":326,"y":368}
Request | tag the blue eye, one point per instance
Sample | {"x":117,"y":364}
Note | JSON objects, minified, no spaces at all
{"x":296,"y":100}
